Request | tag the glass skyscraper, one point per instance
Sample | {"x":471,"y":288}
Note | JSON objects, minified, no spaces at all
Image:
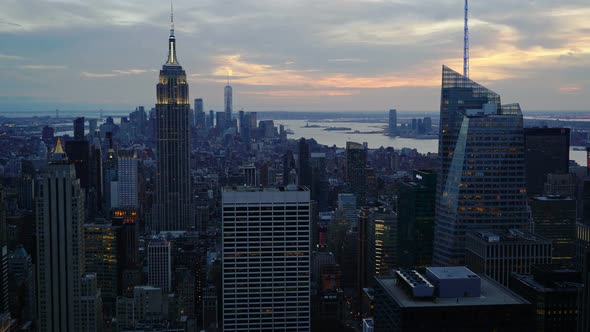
{"x":481,"y":181}
{"x":172,"y":210}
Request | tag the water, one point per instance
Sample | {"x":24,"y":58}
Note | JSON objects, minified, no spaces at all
{"x":339,"y":138}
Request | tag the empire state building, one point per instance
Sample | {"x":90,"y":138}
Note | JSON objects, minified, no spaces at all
{"x":173,"y":209}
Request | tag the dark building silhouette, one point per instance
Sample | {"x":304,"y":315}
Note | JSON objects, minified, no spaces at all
{"x":79,"y":129}
{"x":448,"y":299}
{"x":584,"y":297}
{"x":546,"y":151}
{"x":555,"y":219}
{"x":416,"y":211}
{"x":305,"y":174}
{"x":356,"y":170}
{"x":553,"y":290}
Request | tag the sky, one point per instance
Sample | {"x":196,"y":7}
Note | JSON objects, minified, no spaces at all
{"x":308,"y":55}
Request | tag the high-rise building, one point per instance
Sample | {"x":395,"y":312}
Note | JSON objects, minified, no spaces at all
{"x":356,"y":170}
{"x":101,"y":258}
{"x":392,"y":122}
{"x":416,"y":211}
{"x":91,"y":318}
{"x":173,"y":208}
{"x":305,"y":172}
{"x":60,"y":216}
{"x":199,"y":113}
{"x":159,"y":259}
{"x":228,"y":103}
{"x":546,"y":151}
{"x":481,"y":181}
{"x":127,"y":165}
{"x":498,"y":254}
{"x":22,"y":285}
{"x":553,"y":290}
{"x":381,"y":243}
{"x":78,"y":152}
{"x":127,"y":250}
{"x":447,"y":299}
{"x":266,"y":258}
{"x":79,"y":129}
{"x":555,"y":219}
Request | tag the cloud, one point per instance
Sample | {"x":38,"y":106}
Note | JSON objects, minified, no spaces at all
{"x":570,"y":89}
{"x":44,"y":67}
{"x":117,"y":72}
{"x":347,"y":60}
{"x":10,"y":57}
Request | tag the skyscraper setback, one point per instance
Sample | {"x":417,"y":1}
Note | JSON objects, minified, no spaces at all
{"x":172,"y":210}
{"x":481,"y":182}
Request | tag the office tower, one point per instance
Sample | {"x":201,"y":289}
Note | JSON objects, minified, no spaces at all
{"x":173,"y":209}
{"x":546,"y":151}
{"x":130,"y":272}
{"x":481,"y":182}
{"x":159,"y":259}
{"x":498,"y":254}
{"x":416,"y":210}
{"x":305,"y":174}
{"x":267,"y":129}
{"x":101,"y":257}
{"x":227,"y":103}
{"x":555,"y":220}
{"x":21,"y":285}
{"x":91,"y":319}
{"x":553,"y":290}
{"x":584,"y":297}
{"x":96,"y":190}
{"x":447,"y":299}
{"x":560,"y":184}
{"x":211,"y":119}
{"x":392,"y":122}
{"x":381,"y":243}
{"x":427,"y":123}
{"x":79,"y":129}
{"x":199,"y":114}
{"x":288,"y":166}
{"x":266,"y":259}
{"x":60,"y":216}
{"x":147,"y":305}
{"x":347,"y":204}
{"x":356,"y":174}
{"x":47,"y":134}
{"x":220,"y":122}
{"x":78,"y":152}
{"x":127,"y":164}
{"x":92,"y":127}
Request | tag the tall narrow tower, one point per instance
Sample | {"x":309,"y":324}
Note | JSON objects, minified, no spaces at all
{"x":172,"y":210}
{"x":466,"y":42}
{"x":228,"y":103}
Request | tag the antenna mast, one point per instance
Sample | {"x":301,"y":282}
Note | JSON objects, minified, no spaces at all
{"x":171,"y":18}
{"x":466,"y":42}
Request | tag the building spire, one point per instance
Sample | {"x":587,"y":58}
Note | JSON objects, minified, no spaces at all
{"x":171,"y":18}
{"x":172,"y":40}
{"x":466,"y":42}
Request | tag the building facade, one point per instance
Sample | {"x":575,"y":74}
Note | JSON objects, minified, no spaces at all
{"x":266,"y":259}
{"x":173,"y":208}
{"x":555,"y":219}
{"x":159,"y":255}
{"x":481,"y":180}
{"x":498,"y":254}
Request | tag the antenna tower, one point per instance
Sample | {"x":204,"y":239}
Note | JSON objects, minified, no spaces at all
{"x":466,"y":42}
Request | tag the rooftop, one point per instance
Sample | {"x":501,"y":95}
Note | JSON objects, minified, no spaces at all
{"x":452,"y":272}
{"x":505,"y":236}
{"x":265,"y":189}
{"x":492,"y":293}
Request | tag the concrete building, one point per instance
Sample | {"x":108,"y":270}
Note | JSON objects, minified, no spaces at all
{"x":159,"y":258}
{"x":555,"y":220}
{"x":127,"y":165}
{"x":266,"y":258}
{"x":392,"y":122}
{"x":356,"y":170}
{"x":447,"y":299}
{"x":498,"y":254}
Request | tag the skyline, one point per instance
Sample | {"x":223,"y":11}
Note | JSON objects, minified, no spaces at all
{"x":336,"y":55}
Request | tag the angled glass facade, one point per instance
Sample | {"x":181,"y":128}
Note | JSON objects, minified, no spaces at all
{"x":481,"y":181}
